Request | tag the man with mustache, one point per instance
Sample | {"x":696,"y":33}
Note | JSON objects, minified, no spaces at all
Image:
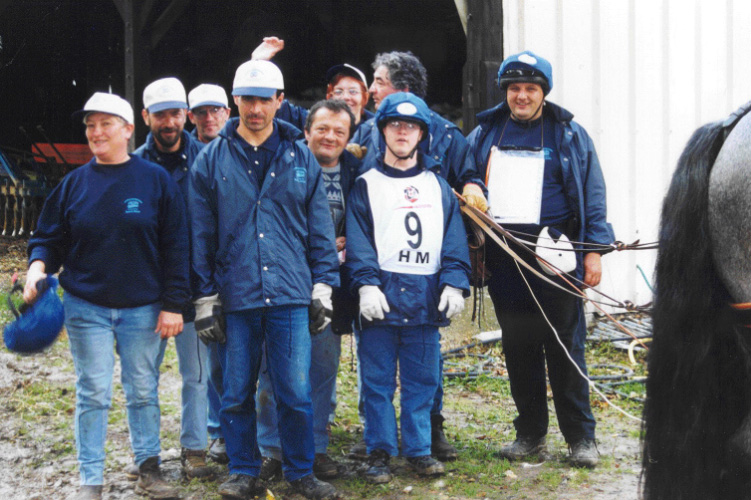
{"x":170,"y":146}
{"x":209,"y":111}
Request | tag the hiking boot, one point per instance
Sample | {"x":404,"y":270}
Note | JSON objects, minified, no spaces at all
{"x":324,"y":467}
{"x":523,"y":448}
{"x":194,"y":464}
{"x":584,"y":453}
{"x":88,"y":492}
{"x":151,"y":483}
{"x":271,"y":468}
{"x":218,"y":451}
{"x":131,"y":472}
{"x":378,"y":468}
{"x":313,"y":489}
{"x":439,"y":445}
{"x":359,"y":451}
{"x":240,"y":486}
{"x":426,"y":465}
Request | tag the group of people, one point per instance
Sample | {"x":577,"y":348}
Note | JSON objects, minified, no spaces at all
{"x":257,"y":241}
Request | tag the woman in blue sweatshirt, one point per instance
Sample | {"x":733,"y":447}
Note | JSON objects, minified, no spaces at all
{"x":117,"y":227}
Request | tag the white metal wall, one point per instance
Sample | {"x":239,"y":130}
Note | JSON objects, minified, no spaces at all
{"x":640,"y":76}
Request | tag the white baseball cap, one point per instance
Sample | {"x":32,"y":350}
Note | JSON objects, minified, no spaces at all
{"x":102,"y":102}
{"x":207,"y":94}
{"x":257,"y":78}
{"x":166,"y":93}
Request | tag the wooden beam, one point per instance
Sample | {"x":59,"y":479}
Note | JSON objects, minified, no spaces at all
{"x":167,"y":19}
{"x":484,"y":21}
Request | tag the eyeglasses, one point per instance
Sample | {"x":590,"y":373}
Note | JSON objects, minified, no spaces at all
{"x":351,"y":91}
{"x":397,"y":124}
{"x":206,"y":110}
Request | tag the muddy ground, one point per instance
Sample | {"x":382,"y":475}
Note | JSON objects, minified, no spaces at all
{"x":37,"y":451}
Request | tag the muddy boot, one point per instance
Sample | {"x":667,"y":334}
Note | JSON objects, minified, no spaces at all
{"x":426,"y":466}
{"x":325,"y":467}
{"x":359,"y":451}
{"x":439,"y":446}
{"x":523,"y":448}
{"x":313,"y":489}
{"x":151,"y":483}
{"x":584,"y":454}
{"x":218,"y":451}
{"x":88,"y":492}
{"x":194,"y":464}
{"x":131,"y":472}
{"x":240,"y":486}
{"x":378,"y":471}
{"x":271,"y":469}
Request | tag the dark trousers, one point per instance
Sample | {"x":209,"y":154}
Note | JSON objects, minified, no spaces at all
{"x":529,"y":343}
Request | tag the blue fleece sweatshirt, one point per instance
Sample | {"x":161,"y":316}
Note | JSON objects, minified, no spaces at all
{"x":120,"y":233}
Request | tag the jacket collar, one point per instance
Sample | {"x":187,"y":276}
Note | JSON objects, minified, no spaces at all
{"x":287,"y":131}
{"x":501,"y":111}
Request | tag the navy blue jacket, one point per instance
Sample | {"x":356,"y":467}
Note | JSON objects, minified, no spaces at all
{"x":446,"y":145}
{"x":413,"y":299}
{"x":180,"y":175}
{"x":583,"y":182}
{"x":260,"y":245}
{"x":120,"y":233}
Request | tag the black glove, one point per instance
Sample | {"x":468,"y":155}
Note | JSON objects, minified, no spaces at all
{"x":321,"y":309}
{"x":320,"y":317}
{"x":210,"y":325}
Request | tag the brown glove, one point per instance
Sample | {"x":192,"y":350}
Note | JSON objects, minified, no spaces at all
{"x":357,"y":150}
{"x":473,"y":194}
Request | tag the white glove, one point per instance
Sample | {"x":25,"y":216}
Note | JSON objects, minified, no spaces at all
{"x":321,"y":308}
{"x":452,"y":301}
{"x":373,"y":302}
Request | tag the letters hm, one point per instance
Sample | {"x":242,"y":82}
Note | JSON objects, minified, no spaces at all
{"x":420,"y":257}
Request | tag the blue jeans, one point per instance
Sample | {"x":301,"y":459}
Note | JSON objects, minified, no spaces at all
{"x":417,"y":350}
{"x":215,"y":390}
{"x":324,"y":365}
{"x":284,"y":330}
{"x":94,"y":333}
{"x":192,"y":360}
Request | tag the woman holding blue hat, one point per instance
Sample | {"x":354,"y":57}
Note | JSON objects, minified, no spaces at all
{"x":117,"y":228}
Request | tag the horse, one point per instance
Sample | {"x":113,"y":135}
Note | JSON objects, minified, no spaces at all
{"x":697,"y":413}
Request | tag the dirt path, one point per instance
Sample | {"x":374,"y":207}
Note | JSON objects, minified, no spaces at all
{"x":37,"y":400}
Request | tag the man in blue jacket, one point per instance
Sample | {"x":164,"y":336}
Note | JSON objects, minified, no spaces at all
{"x":329,"y":126}
{"x":263,"y":252}
{"x":403,"y":72}
{"x":564,"y":182}
{"x":408,"y":260}
{"x":169,"y":145}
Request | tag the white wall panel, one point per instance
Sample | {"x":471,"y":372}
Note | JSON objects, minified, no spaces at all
{"x":640,"y":76}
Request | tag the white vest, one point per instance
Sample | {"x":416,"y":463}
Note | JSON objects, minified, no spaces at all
{"x":407,"y":221}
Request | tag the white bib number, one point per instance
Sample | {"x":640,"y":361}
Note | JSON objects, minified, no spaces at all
{"x":407,"y":222}
{"x":514,"y":182}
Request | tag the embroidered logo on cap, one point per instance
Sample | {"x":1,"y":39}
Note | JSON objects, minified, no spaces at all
{"x":527,"y":59}
{"x":406,"y":108}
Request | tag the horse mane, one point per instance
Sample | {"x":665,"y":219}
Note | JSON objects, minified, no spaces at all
{"x":698,"y":385}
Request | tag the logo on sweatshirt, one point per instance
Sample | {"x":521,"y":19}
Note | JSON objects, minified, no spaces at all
{"x":133,"y":206}
{"x":300,"y":175}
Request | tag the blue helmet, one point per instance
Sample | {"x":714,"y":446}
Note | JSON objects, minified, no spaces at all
{"x":404,"y":106}
{"x":526,"y":67}
{"x":36,"y":326}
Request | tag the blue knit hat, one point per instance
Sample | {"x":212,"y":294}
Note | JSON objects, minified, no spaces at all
{"x":36,"y":326}
{"x":526,"y":67}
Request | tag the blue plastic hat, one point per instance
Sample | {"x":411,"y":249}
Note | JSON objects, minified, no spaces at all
{"x":403,"y":106}
{"x":526,"y":67}
{"x":37,"y":325}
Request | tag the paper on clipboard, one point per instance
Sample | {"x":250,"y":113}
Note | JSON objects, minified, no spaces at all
{"x":514,"y":183}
